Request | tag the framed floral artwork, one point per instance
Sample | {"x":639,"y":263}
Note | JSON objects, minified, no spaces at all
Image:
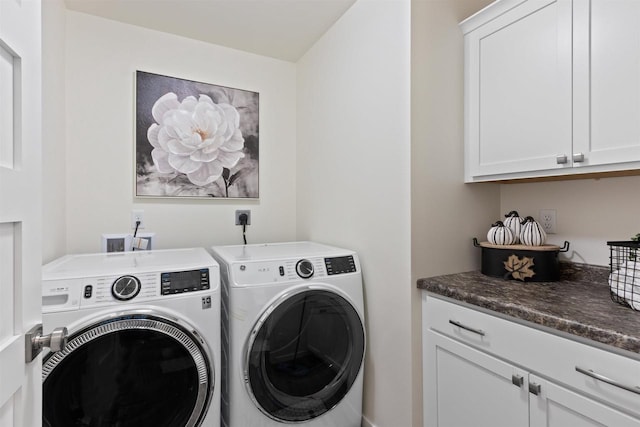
{"x":195,"y":140}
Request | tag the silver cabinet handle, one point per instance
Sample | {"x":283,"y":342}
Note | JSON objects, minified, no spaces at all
{"x":517,"y":380}
{"x":535,"y":388}
{"x":35,"y":341}
{"x":467,"y":328}
{"x":599,"y":377}
{"x":578,"y":157}
{"x":561,"y":159}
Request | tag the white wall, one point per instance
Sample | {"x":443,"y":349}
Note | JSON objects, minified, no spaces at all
{"x":445,"y":212}
{"x":101,"y":59}
{"x":590,"y":212}
{"x":354,"y":176}
{"x":53,"y":124}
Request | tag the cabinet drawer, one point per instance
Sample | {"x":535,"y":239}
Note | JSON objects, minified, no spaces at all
{"x":605,"y":376}
{"x":472,"y":327}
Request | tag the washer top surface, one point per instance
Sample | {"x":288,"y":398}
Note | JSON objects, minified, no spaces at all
{"x":88,"y":265}
{"x":276,"y":251}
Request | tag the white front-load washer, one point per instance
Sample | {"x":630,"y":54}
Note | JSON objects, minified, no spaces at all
{"x":144,"y":340}
{"x":293,"y":339}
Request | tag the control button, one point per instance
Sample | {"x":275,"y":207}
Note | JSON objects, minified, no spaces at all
{"x":304,"y":268}
{"x":88,"y":291}
{"x":125,"y":288}
{"x":281,"y":268}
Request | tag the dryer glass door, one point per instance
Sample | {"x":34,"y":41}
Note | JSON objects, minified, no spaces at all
{"x":128,"y":372}
{"x":305,"y":355}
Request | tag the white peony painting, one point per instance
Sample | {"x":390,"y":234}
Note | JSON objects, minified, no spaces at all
{"x":195,"y":139}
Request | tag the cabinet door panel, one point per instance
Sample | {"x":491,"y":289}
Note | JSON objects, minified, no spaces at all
{"x":608,"y":83}
{"x":468,"y":388}
{"x":519,"y":103}
{"x":556,"y":406}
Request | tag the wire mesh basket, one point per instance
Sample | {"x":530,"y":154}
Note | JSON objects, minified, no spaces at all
{"x":624,"y":275}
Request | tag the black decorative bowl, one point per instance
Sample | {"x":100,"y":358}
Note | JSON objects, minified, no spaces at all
{"x":520,"y":262}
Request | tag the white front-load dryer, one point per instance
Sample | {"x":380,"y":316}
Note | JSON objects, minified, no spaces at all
{"x":293,"y":339}
{"x":144,"y":340}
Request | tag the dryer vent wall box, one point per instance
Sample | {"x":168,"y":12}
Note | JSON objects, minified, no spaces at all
{"x":126,"y":242}
{"x":138,"y":313}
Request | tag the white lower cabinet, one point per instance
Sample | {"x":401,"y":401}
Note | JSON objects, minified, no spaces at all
{"x":557,"y":406}
{"x":475,"y":376}
{"x":466,"y":387}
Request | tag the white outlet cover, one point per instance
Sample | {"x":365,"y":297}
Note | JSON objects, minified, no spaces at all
{"x":548,"y":220}
{"x":135,"y":214}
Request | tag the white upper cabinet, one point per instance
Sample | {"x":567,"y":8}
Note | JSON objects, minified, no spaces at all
{"x":552,"y":87}
{"x":518,"y":90}
{"x":607,"y":73}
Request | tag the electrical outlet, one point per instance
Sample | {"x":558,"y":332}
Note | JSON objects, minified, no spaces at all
{"x":137,"y":215}
{"x":548,"y":220}
{"x":240,"y":212}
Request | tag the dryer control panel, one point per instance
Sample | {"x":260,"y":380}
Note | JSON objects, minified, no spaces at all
{"x":340,"y":265}
{"x":265,"y":272}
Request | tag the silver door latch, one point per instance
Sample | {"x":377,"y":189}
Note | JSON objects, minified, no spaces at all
{"x":35,"y":341}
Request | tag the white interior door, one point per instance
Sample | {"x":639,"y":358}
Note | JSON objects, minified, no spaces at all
{"x":20,"y":209}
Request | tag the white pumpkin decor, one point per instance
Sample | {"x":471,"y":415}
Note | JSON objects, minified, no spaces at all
{"x":512,"y":222}
{"x":532,"y":233}
{"x":499,"y":234}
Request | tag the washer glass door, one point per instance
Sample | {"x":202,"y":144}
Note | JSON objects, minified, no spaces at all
{"x":305,"y":355}
{"x":131,"y":371}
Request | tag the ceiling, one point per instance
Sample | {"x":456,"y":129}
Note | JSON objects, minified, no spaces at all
{"x":283,"y":29}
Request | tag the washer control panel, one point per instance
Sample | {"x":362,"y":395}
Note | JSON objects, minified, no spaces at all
{"x":178,"y":282}
{"x":72,"y":294}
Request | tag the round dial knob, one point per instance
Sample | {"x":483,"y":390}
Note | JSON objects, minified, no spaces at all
{"x":304,"y":268}
{"x":125,"y":288}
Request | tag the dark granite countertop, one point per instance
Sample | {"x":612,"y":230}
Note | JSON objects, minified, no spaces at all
{"x":578,"y":304}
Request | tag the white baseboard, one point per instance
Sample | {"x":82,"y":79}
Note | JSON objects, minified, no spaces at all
{"x":366,"y":422}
